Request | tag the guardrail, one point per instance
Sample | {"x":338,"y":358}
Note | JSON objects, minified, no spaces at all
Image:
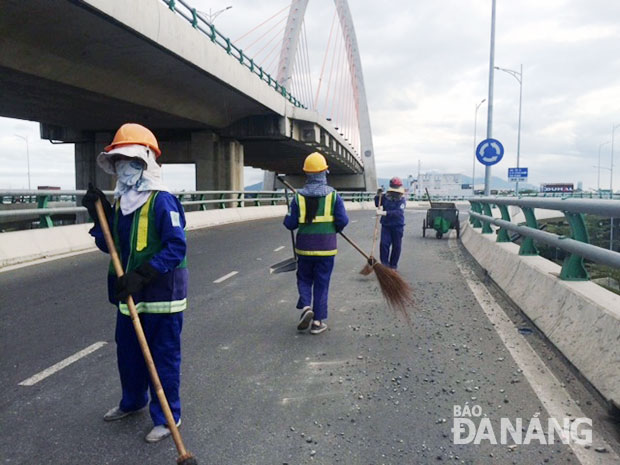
{"x":221,"y":199}
{"x":200,"y":24}
{"x":577,"y":245}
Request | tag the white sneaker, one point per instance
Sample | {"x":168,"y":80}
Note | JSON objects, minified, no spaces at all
{"x":116,"y":414}
{"x":159,"y":432}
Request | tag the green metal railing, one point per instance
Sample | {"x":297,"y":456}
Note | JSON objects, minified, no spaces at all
{"x":38,"y":202}
{"x":577,"y":245}
{"x":181,"y":8}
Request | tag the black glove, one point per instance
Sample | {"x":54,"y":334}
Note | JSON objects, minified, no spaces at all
{"x":134,"y":281}
{"x":92,"y":195}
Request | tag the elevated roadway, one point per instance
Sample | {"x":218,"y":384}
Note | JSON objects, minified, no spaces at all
{"x":371,"y":390}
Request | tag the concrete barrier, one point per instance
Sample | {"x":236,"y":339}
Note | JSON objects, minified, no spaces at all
{"x":34,"y":244}
{"x":580,"y":318}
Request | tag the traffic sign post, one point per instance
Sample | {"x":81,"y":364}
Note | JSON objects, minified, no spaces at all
{"x":517,"y":174}
{"x":490,"y":152}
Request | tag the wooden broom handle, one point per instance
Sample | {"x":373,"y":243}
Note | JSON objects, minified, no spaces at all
{"x":148,"y":358}
{"x":346,"y":238}
{"x":374,"y":236}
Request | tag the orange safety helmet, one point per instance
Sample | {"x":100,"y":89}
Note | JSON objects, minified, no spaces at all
{"x":132,"y":133}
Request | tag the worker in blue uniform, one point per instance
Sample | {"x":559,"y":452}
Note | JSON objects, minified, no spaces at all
{"x":318,"y":213}
{"x":147,"y":224}
{"x":391,"y":207}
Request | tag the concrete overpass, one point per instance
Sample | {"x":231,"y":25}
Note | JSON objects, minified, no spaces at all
{"x":82,"y":68}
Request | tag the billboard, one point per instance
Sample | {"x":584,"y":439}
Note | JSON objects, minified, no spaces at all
{"x":557,"y":187}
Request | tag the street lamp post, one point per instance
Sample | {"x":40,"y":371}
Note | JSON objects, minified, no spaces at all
{"x":487,"y":169}
{"x":518,"y":75}
{"x":473,"y":172}
{"x":27,"y":156}
{"x":598,"y":179}
{"x":210,"y":16}
{"x":611,"y":185}
{"x":611,"y":176}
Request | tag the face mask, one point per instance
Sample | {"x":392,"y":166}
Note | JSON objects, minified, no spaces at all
{"x":129,"y":172}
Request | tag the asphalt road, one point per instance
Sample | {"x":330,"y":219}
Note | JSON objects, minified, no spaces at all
{"x":371,"y":390}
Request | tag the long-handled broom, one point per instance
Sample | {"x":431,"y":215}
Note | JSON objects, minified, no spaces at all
{"x":393,"y":287}
{"x":372,"y":261}
{"x":185,"y":457}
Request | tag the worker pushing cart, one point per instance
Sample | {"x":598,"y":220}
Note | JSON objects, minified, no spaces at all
{"x":147,"y":224}
{"x":391,"y":207}
{"x":318,"y":212}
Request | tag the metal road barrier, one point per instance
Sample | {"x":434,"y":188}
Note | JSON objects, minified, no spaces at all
{"x":10,"y":199}
{"x":577,"y":246}
{"x":191,"y":15}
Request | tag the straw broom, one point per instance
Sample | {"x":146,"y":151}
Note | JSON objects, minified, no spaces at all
{"x":368,"y":267}
{"x":394,"y":288}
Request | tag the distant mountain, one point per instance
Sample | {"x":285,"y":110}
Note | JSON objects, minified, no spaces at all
{"x":255,"y":187}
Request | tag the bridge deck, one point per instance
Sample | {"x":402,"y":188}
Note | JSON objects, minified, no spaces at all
{"x":371,"y":390}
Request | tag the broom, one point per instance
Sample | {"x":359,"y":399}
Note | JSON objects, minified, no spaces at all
{"x":185,"y":457}
{"x":393,"y":287}
{"x":372,"y":261}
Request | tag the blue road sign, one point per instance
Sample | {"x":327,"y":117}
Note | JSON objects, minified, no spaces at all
{"x":517,"y":174}
{"x":489,"y":152}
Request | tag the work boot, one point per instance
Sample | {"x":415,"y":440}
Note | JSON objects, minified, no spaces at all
{"x":159,"y":432}
{"x":317,"y":327}
{"x":116,"y":414}
{"x":306,"y":318}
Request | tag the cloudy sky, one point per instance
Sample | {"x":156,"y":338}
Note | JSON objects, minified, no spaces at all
{"x":425,"y":65}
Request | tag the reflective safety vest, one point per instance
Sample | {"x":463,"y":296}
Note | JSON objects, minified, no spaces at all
{"x":319,"y":237}
{"x":168,"y":292}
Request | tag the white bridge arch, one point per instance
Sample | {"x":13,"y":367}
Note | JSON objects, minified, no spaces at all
{"x":290,"y":44}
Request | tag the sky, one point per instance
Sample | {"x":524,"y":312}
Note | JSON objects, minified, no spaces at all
{"x":426,"y":66}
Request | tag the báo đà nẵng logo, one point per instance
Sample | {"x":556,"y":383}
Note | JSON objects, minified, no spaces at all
{"x":471,"y":427}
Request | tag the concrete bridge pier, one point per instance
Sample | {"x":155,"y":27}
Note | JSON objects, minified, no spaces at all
{"x":218,"y":161}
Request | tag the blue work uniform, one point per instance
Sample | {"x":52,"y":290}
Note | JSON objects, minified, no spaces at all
{"x":316,"y":246}
{"x":392,"y":227}
{"x":155,"y":232}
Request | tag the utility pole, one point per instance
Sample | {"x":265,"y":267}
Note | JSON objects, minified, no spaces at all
{"x":487,"y":169}
{"x":518,"y":75}
{"x":598,"y":179}
{"x":27,"y":156}
{"x":473,"y":172}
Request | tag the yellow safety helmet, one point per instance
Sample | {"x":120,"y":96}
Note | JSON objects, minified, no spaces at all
{"x":315,"y":163}
{"x":132,"y":133}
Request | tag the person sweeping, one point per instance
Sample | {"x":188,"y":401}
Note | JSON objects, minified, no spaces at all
{"x":391,"y":207}
{"x":318,"y":212}
{"x":147,"y":224}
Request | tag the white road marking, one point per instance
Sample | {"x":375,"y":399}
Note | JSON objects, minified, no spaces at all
{"x":547,"y":387}
{"x":225,"y":277}
{"x":353,"y":221}
{"x":278,"y":249}
{"x":62,"y":364}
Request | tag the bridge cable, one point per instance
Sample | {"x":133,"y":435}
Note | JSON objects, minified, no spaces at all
{"x":299,"y":57}
{"x":331,"y":71}
{"x":276,"y":46}
{"x":306,"y":60}
{"x":276,"y":56}
{"x":334,"y":100}
{"x":264,"y":34}
{"x":309,"y":68}
{"x":318,"y":90}
{"x":274,"y":37}
{"x":267,"y":20}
